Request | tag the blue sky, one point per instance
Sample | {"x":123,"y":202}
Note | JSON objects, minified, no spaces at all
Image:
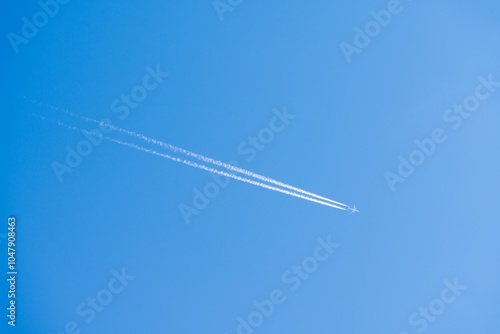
{"x":119,"y":208}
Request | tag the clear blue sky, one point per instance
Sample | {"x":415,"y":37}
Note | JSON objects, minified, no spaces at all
{"x":119,"y":208}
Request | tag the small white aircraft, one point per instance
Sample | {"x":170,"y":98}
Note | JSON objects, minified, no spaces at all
{"x":353,"y":209}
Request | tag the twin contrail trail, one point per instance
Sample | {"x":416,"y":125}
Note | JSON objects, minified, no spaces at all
{"x":267,"y":183}
{"x":206,"y":168}
{"x":207,"y":159}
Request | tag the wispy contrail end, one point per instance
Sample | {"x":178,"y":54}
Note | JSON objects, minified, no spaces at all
{"x":206,"y":168}
{"x":207,"y":159}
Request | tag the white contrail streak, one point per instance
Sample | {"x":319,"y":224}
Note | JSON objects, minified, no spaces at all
{"x":208,"y":169}
{"x":204,"y":158}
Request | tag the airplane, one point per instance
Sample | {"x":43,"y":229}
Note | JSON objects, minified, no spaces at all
{"x":353,"y":209}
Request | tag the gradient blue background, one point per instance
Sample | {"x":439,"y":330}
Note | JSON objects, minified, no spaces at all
{"x":119,"y":208}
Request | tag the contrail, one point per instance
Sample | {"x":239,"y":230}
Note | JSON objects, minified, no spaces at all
{"x":204,"y":158}
{"x":208,"y":169}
